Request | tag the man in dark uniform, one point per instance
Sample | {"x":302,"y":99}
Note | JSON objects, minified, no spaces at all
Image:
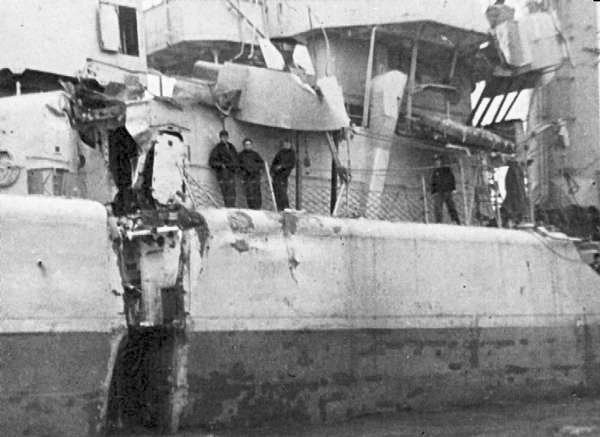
{"x":442,"y":186}
{"x":515,"y":205}
{"x":596,"y":263}
{"x":121,"y":151}
{"x":281,"y":167}
{"x":224,"y":161}
{"x":251,"y":165}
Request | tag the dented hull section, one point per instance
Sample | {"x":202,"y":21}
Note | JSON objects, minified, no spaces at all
{"x":301,"y":318}
{"x":259,"y":317}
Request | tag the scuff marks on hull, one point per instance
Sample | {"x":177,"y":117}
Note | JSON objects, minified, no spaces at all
{"x":253,"y":378}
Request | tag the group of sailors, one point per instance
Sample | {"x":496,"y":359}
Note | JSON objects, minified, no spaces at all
{"x":229,"y":164}
{"x":248,"y":165}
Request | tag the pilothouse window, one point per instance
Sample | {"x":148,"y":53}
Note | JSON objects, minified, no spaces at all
{"x":128,"y":31}
{"x":46,"y":181}
{"x":118,"y":29}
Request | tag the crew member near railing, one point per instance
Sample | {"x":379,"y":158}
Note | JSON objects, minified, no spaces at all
{"x":442,"y":186}
{"x":281,"y":167}
{"x":251,"y":166}
{"x":224,"y":161}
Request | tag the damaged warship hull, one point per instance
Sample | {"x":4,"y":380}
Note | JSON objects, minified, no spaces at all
{"x":317,"y":319}
{"x":288,"y":318}
{"x":168,"y":318}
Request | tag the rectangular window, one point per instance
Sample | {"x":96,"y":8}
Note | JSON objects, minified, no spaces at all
{"x":58,"y":182}
{"x":355,"y":112}
{"x":35,"y":181}
{"x":118,"y":29}
{"x":46,"y":181}
{"x":128,"y":31}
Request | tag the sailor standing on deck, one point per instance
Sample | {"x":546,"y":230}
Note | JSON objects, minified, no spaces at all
{"x":251,"y":166}
{"x":224,"y":161}
{"x":442,"y":186}
{"x":281,"y":167}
